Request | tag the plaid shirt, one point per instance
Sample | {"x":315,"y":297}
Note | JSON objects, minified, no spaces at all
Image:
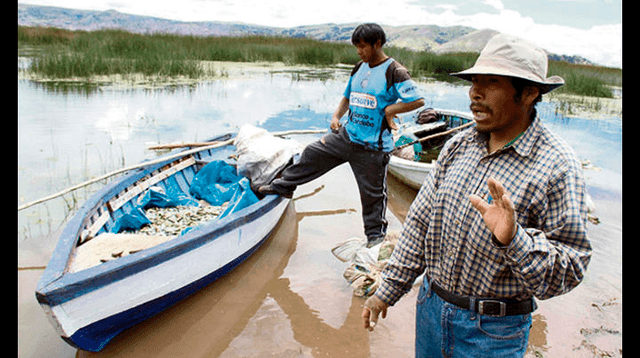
{"x":444,"y":234}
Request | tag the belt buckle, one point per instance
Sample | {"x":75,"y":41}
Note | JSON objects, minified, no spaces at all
{"x":502,"y":305}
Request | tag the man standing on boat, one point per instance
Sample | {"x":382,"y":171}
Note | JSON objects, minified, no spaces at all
{"x":365,"y":140}
{"x":500,"y":220}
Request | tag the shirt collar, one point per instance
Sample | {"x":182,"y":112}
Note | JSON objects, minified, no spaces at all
{"x":523,"y":145}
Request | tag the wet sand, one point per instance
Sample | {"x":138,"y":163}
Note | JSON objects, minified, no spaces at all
{"x":290,"y":300}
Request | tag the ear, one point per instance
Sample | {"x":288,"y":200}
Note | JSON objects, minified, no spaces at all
{"x":529,"y":94}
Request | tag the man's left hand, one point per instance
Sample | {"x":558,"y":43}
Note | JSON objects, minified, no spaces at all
{"x":499,"y":214}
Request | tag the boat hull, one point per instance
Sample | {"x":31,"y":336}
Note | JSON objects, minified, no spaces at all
{"x":412,"y":173}
{"x":90,"y":307}
{"x":409,"y":172}
{"x":91,"y":320}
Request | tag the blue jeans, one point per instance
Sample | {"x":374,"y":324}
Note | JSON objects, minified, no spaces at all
{"x":445,"y":330}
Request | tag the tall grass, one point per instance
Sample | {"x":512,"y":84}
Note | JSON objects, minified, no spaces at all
{"x":442,"y":65}
{"x":585,"y":79}
{"x":66,"y":54}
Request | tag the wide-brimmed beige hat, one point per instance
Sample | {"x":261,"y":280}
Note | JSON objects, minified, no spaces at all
{"x":506,"y":55}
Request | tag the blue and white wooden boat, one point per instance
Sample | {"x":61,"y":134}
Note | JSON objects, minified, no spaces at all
{"x":91,"y":306}
{"x":413,"y":172}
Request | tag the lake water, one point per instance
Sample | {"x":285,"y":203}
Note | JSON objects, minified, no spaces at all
{"x":289,"y":299}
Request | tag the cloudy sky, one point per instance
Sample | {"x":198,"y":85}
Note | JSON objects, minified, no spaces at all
{"x":589,"y":28}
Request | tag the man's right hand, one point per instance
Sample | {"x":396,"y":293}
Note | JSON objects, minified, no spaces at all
{"x":343,"y":107}
{"x":373,"y":306}
{"x":335,"y":123}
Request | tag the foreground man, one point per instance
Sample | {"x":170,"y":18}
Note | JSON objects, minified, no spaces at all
{"x":500,"y":220}
{"x":365,"y":141}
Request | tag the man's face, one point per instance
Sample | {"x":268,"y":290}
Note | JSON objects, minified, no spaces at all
{"x":365,"y":51}
{"x":493,"y":104}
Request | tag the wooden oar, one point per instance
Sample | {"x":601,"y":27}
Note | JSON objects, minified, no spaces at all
{"x":202,"y":144}
{"x":178,"y":145}
{"x":200,"y":147}
{"x":436,"y":135}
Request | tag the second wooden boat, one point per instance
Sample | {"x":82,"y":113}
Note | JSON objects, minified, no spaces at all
{"x":412,"y":171}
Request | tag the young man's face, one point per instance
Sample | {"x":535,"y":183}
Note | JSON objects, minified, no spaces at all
{"x":366,"y":51}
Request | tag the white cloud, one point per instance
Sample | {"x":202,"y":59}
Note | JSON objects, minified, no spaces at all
{"x":600,"y":44}
{"x":496,"y":4}
{"x":447,"y":7}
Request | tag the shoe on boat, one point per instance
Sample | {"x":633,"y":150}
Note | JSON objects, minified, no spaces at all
{"x":270,"y":190}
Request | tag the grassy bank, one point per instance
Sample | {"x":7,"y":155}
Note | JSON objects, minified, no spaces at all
{"x":64,"y":54}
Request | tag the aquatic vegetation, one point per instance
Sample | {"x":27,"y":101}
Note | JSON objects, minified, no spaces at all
{"x":63,"y":54}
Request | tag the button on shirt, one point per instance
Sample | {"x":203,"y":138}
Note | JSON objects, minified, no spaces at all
{"x":446,"y":236}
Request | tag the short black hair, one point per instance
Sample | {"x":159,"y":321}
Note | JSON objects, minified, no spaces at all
{"x":519,"y":84}
{"x":369,"y":33}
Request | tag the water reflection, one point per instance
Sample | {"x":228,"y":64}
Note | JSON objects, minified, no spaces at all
{"x":85,"y":89}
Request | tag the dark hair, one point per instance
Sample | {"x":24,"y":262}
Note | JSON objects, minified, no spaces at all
{"x":369,"y":33}
{"x":519,"y":84}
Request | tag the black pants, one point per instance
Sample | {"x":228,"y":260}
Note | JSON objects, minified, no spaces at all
{"x":368,"y":166}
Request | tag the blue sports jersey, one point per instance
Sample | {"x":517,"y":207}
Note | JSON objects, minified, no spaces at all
{"x":370,"y":91}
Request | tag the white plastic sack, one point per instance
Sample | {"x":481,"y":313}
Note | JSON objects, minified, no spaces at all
{"x":366,"y":264}
{"x":407,"y":153}
{"x":346,"y":251}
{"x":354,"y":250}
{"x":261,"y":156}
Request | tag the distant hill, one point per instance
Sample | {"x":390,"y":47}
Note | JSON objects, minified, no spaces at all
{"x":419,"y":37}
{"x":426,"y":37}
{"x":70,"y":19}
{"x":471,"y":42}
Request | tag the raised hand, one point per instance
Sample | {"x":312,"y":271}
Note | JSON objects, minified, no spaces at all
{"x":499,"y":214}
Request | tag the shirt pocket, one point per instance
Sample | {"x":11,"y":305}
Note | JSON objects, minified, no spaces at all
{"x":530,"y":204}
{"x":479,"y":238}
{"x":480,"y":243}
{"x":447,"y":204}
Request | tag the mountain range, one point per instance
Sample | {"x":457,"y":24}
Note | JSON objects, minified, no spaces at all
{"x":416,"y":37}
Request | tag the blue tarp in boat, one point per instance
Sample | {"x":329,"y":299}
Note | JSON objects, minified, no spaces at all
{"x":216,"y":183}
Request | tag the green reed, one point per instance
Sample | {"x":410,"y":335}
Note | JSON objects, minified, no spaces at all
{"x":586,"y":80}
{"x":71,"y":54}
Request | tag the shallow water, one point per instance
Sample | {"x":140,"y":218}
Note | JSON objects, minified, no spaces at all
{"x":289,"y":299}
